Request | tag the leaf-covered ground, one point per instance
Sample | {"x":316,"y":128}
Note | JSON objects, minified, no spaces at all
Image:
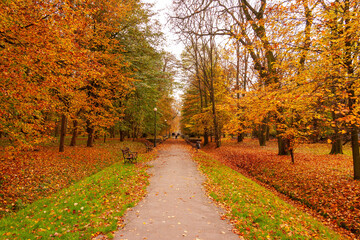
{"x":31,"y":175}
{"x":91,"y":207}
{"x":256,"y":212}
{"x":321,"y":182}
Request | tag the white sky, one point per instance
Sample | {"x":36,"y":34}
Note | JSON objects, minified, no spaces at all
{"x":161,"y":7}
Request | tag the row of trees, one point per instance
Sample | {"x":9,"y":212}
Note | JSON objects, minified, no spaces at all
{"x":283,"y":68}
{"x":94,"y":64}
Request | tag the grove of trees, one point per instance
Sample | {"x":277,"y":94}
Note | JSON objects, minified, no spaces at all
{"x":81,"y":67}
{"x":282,"y":69}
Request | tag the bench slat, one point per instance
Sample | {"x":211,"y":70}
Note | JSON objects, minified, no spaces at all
{"x":129,"y":156}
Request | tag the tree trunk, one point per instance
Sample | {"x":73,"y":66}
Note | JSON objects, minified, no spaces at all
{"x":262,"y":134}
{"x":217,"y":136}
{"x":283,"y":148}
{"x":90,"y":131}
{"x":215,"y":120}
{"x":292,"y":156}
{"x":336,"y":138}
{"x":283,"y":144}
{"x":336,"y":147}
{"x":349,"y":61}
{"x":289,"y":147}
{"x":267,"y":133}
{"x":74,"y":134}
{"x":62,"y":133}
{"x":104,"y":137}
{"x":355,"y":151}
{"x":240,"y":137}
{"x":206,"y":137}
{"x":217,"y":133}
{"x":237,"y":86}
{"x":121,"y":135}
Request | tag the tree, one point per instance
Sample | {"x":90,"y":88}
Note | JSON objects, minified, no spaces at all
{"x":153,"y":71}
{"x":205,"y":50}
{"x":38,"y":60}
{"x":340,"y":55}
{"x":62,"y":59}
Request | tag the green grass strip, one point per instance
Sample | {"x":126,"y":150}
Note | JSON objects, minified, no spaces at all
{"x":93,"y":205}
{"x":255,"y":211}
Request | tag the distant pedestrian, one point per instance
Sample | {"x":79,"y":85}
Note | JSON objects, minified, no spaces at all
{"x":197,"y":146}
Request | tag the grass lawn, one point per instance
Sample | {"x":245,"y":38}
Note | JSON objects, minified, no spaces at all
{"x":91,"y":206}
{"x":76,"y":194}
{"x":318,"y":180}
{"x":26,"y":176}
{"x":255,"y":211}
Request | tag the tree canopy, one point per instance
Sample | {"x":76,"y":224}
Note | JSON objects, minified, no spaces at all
{"x":290,"y":70}
{"x":98,"y":64}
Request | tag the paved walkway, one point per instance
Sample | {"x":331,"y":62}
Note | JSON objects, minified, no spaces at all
{"x":176,"y":206}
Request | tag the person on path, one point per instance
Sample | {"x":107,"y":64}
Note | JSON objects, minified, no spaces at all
{"x":197,"y":145}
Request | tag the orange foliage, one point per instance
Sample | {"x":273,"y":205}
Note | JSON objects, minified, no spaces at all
{"x":59,"y":57}
{"x":29,"y":175}
{"x":321,"y":182}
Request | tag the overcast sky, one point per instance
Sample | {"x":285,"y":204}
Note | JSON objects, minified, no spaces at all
{"x":161,"y":7}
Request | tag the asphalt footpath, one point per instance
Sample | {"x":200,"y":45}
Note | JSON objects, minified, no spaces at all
{"x":176,"y":206}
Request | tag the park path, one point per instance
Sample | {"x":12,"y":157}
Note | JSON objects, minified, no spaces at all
{"x":176,"y":206}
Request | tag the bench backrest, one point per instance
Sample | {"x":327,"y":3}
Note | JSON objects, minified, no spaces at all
{"x":125,"y":151}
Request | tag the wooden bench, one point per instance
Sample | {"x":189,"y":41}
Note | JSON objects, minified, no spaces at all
{"x":149,"y":147}
{"x":129,"y":156}
{"x":196,"y":144}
